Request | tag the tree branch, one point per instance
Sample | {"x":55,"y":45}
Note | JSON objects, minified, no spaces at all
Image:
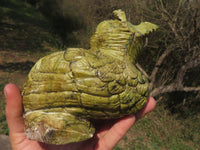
{"x":177,"y":11}
{"x":157,"y":65}
{"x":142,"y":70}
{"x":178,"y":84}
{"x":189,"y":89}
{"x":165,"y":14}
{"x":181,"y":73}
{"x":172,"y":88}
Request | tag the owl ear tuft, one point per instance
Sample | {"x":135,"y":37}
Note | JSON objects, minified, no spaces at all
{"x":119,"y":14}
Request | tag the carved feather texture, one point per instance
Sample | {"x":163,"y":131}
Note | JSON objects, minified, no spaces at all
{"x":66,"y":89}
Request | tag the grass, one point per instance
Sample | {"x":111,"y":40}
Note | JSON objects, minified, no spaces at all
{"x":3,"y":124}
{"x":22,"y":28}
{"x":162,"y":130}
{"x":25,"y":36}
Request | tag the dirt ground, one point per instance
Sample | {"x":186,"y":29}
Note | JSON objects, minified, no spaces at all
{"x":5,"y":143}
{"x":14,"y":66}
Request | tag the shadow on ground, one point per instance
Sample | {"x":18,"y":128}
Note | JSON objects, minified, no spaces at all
{"x":19,"y":66}
{"x":5,"y":143}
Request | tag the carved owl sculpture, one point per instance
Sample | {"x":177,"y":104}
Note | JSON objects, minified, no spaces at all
{"x":66,"y":89}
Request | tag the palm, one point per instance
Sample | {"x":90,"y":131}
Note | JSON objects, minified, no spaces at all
{"x":106,"y":137}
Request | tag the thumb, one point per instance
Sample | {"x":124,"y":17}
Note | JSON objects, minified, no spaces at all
{"x":14,"y":109}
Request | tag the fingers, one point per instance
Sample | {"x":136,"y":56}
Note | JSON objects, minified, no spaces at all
{"x":119,"y":129}
{"x":114,"y":135}
{"x":14,"y":108}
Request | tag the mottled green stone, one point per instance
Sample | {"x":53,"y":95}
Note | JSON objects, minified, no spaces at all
{"x":66,"y":89}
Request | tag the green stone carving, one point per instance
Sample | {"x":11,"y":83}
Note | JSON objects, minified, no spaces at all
{"x":66,"y":89}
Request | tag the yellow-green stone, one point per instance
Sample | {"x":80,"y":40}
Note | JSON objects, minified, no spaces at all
{"x":66,"y":89}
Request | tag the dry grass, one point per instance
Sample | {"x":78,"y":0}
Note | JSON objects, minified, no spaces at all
{"x":161,"y":130}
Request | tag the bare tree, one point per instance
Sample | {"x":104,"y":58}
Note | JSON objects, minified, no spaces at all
{"x":174,"y":49}
{"x":179,"y":43}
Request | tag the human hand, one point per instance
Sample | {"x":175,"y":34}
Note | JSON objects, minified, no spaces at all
{"x":105,"y":138}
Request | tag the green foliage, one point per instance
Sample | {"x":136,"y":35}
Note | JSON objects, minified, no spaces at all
{"x":24,"y":29}
{"x":117,"y":148}
{"x":66,"y":19}
{"x":74,"y":21}
{"x":20,"y":11}
{"x":3,"y":124}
